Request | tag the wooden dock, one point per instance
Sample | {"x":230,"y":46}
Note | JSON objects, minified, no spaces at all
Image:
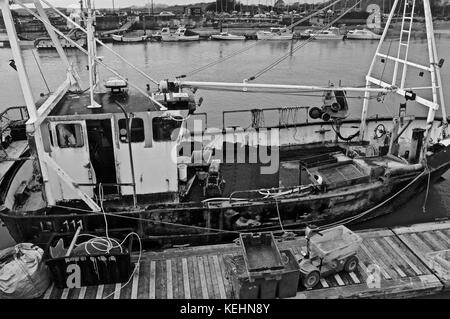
{"x":403,"y":258}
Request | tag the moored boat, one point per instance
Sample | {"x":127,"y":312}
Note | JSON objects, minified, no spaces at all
{"x":275,"y":34}
{"x":363,"y":34}
{"x":226,"y":36}
{"x":124,"y":156}
{"x":331,"y":33}
{"x":182,"y":34}
{"x":129,"y":39}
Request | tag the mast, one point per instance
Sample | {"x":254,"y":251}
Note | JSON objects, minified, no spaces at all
{"x":91,"y":55}
{"x":401,"y":60}
{"x":28,"y":96}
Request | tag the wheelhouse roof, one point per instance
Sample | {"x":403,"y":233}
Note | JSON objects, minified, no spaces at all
{"x":76,"y":104}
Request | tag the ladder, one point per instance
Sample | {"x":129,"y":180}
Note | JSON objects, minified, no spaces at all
{"x":403,"y":47}
{"x":402,"y":59}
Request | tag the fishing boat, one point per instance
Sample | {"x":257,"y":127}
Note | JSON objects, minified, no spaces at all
{"x":363,"y":34}
{"x":226,"y":36}
{"x":47,"y":43}
{"x":306,"y":34}
{"x":127,"y":157}
{"x":182,"y":34}
{"x":129,"y":39}
{"x":275,"y":34}
{"x":331,"y":33}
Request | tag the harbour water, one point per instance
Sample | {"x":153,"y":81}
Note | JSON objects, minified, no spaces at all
{"x":316,"y":63}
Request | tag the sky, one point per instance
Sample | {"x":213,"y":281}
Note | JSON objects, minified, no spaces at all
{"x":126,"y":3}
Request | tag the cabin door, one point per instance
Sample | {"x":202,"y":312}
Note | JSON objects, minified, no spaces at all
{"x":70,"y":150}
{"x":101,"y":150}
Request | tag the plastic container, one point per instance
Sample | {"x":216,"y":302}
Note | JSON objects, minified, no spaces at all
{"x":271,"y":284}
{"x":95,"y":269}
{"x":182,"y":172}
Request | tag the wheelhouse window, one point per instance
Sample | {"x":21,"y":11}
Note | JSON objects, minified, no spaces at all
{"x":137,"y":130}
{"x":165,"y":128}
{"x":69,"y":135}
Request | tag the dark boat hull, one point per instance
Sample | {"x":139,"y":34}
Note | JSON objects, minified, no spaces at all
{"x":194,"y":225}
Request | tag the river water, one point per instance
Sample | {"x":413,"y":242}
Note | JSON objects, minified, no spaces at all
{"x":317,"y":63}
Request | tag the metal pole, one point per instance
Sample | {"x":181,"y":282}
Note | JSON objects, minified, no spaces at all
{"x":431,"y":110}
{"x":28,"y":94}
{"x":362,"y":128}
{"x":130,"y":151}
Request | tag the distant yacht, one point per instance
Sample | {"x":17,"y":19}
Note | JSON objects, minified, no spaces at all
{"x":225,"y":36}
{"x":332,"y":33}
{"x":275,"y":34}
{"x":364,"y":34}
{"x":182,"y":34}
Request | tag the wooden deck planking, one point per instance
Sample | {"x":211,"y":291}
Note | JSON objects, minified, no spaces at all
{"x":373,"y":260}
{"x":152,"y":280}
{"x":186,"y":284}
{"x":215,"y":283}
{"x":399,"y":265}
{"x":200,"y":273}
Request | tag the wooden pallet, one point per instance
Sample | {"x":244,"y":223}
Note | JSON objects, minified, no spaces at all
{"x":400,"y":255}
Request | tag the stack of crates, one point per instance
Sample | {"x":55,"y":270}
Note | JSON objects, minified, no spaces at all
{"x":262,"y":272}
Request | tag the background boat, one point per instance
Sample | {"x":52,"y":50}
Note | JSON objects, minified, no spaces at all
{"x":329,"y":34}
{"x":275,"y":34}
{"x":364,"y":34}
{"x":225,"y":36}
{"x":129,"y":39}
{"x":182,"y":34}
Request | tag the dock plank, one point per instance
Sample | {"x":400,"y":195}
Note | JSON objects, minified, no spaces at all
{"x":215,"y":283}
{"x":207,"y":272}
{"x":82,"y":293}
{"x":152,"y":280}
{"x":169,"y":279}
{"x":99,"y":294}
{"x":135,"y":283}
{"x":433,"y":242}
{"x":203,"y":284}
{"x":219,"y":276}
{"x":388,"y":257}
{"x":402,"y":254}
{"x":186,"y":281}
{"x":198,"y":285}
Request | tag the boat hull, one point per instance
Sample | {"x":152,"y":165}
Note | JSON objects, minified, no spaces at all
{"x":179,"y":38}
{"x":200,"y":224}
{"x":43,"y":44}
{"x":326,"y":37}
{"x":271,"y":37}
{"x":119,"y":38}
{"x":363,"y":37}
{"x":227,"y":38}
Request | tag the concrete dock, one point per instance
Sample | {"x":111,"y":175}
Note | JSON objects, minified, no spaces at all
{"x":402,"y":258}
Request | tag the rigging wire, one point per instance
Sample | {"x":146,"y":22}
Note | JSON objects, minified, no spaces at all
{"x":40,"y":70}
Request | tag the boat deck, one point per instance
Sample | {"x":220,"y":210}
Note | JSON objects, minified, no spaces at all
{"x":402,"y":256}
